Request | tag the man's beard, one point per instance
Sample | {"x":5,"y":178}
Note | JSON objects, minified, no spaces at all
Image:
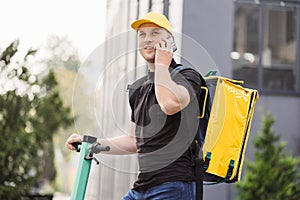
{"x":152,"y":60}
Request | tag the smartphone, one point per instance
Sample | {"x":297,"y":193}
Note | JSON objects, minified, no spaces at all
{"x":171,"y":40}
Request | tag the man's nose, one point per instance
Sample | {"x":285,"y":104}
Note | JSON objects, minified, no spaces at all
{"x":148,"y":38}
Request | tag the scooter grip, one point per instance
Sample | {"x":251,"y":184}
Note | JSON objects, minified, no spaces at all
{"x":76,"y":145}
{"x":97,"y":148}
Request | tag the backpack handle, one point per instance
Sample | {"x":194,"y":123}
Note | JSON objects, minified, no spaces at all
{"x":204,"y":103}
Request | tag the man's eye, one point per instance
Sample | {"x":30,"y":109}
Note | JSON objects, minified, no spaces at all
{"x":155,"y":33}
{"x":142,"y":35}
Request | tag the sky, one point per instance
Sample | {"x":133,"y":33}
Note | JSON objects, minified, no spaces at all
{"x":33,"y":21}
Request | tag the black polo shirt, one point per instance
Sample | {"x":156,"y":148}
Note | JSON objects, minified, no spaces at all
{"x":163,"y":141}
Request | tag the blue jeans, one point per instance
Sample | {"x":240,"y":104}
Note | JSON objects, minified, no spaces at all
{"x":165,"y":191}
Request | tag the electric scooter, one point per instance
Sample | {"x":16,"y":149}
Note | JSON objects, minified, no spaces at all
{"x":87,"y":148}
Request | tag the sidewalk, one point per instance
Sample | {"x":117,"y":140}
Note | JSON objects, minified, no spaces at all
{"x":61,"y":196}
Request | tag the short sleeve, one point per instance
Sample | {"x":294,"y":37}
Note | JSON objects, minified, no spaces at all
{"x":191,"y":80}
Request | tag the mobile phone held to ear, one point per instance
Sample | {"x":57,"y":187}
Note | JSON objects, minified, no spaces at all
{"x":171,"y":40}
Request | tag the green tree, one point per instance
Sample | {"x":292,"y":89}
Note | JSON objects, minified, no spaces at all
{"x":31,"y":112}
{"x":273,"y":175}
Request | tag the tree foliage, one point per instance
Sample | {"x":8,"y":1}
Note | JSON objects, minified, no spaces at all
{"x":31,"y":112}
{"x":62,"y":53}
{"x":274,"y":174}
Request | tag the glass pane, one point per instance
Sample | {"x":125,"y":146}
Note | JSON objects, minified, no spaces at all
{"x":245,"y":48}
{"x":279,"y":54}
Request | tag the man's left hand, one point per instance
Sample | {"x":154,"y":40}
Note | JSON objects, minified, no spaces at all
{"x":163,"y":53}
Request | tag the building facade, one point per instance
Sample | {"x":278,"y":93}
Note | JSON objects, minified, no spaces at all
{"x":256,"y":41}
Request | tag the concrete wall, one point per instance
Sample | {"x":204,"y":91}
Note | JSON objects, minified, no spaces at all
{"x":286,"y":110}
{"x":210,"y":23}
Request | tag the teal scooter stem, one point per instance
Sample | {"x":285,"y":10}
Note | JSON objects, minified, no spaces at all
{"x":88,"y":147}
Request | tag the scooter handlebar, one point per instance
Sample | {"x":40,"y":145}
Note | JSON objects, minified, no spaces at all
{"x":97,"y":148}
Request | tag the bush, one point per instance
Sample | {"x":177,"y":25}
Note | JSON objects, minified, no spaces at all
{"x":274,"y":174}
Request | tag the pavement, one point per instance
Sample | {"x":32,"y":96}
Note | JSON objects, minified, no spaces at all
{"x":61,"y":196}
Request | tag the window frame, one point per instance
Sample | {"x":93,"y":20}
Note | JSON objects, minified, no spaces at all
{"x":272,"y":5}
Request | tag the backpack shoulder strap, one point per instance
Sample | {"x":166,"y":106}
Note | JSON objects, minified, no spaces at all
{"x":204,"y":108}
{"x":204,"y":104}
{"x":178,"y":68}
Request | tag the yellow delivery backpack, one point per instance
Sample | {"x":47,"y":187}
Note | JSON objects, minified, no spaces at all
{"x":226,"y":112}
{"x":228,"y":128}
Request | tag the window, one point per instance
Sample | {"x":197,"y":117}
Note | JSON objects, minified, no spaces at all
{"x":266,"y":46}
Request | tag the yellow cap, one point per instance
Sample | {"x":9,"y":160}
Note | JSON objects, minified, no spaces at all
{"x":152,"y":17}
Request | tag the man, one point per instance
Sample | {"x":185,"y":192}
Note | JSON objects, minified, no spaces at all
{"x":164,"y":118}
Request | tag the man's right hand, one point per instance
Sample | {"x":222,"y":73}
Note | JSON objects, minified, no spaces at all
{"x":72,"y":139}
